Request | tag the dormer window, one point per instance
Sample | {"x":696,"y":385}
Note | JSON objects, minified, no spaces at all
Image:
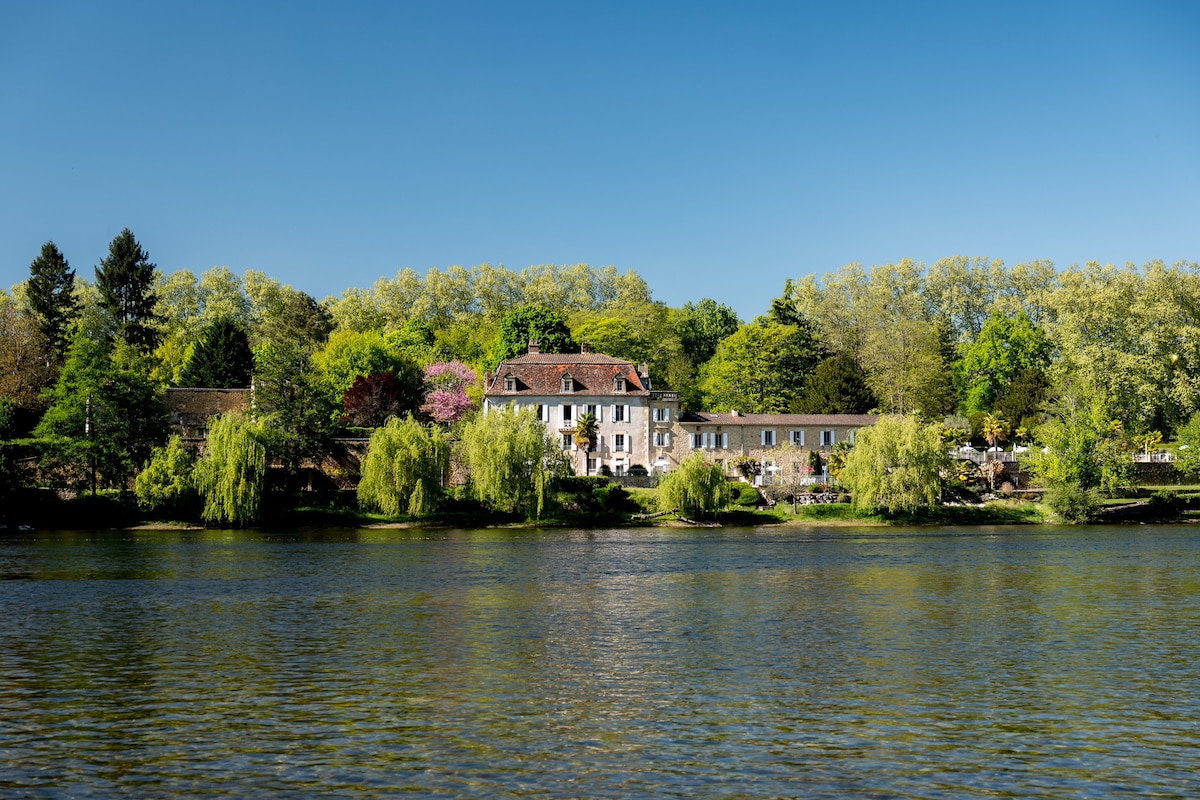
{"x":568,"y":383}
{"x":619,"y":384}
{"x":510,"y":383}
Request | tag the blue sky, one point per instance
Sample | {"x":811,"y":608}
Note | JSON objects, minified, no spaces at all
{"x":716,"y":148}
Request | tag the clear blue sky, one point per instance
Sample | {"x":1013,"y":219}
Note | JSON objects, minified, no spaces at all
{"x":716,"y":148}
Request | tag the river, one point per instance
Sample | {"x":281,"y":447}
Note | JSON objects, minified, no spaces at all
{"x":767,"y":662}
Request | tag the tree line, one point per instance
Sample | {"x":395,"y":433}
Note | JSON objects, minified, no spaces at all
{"x":990,"y":353}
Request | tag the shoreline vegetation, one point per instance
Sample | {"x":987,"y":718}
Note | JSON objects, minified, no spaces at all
{"x":980,"y":379}
{"x":113,"y":511}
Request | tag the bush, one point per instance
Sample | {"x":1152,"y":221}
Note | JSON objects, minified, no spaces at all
{"x":1073,"y":504}
{"x":1165,"y":503}
{"x":747,"y":495}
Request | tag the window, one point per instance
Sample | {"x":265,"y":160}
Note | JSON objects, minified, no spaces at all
{"x":768,"y":438}
{"x":591,"y":466}
{"x":619,"y":442}
{"x":620,"y":413}
{"x":568,"y":383}
{"x":697,"y":441}
{"x":721,"y":440}
{"x":510,"y":383}
{"x":595,"y":411}
{"x":662,"y":415}
{"x":618,"y":384}
{"x":827,"y":438}
{"x":567,"y":413}
{"x":798,"y":438}
{"x":568,"y":441}
{"x":662,"y":439}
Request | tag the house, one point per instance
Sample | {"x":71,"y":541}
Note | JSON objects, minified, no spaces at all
{"x":191,"y":409}
{"x":635,"y":422}
{"x":779,"y":443}
{"x":642,"y":426}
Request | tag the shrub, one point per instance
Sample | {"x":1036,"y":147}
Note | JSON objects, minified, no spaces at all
{"x":1073,"y":504}
{"x":747,"y":495}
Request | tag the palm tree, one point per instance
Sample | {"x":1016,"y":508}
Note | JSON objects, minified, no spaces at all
{"x":994,"y":430}
{"x":586,"y":434}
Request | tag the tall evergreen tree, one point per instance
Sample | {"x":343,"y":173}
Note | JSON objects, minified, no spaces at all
{"x":221,"y":357}
{"x":51,"y":295}
{"x":126,"y":283}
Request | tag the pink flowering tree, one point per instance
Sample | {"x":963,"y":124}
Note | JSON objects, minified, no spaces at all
{"x":446,"y":385}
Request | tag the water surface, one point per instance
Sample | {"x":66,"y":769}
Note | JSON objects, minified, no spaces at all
{"x":1010,"y":662}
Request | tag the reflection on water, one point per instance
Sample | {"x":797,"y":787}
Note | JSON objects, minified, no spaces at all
{"x":567,"y":663}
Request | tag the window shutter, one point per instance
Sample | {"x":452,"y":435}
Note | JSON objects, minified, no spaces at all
{"x":667,"y":439}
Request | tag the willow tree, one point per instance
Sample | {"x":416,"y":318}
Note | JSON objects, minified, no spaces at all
{"x":512,"y":459}
{"x":230,"y":477}
{"x":896,"y":465}
{"x":403,"y":468}
{"x":698,"y":488}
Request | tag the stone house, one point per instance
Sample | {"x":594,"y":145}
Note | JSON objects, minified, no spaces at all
{"x":191,"y":409}
{"x":636,"y":423}
{"x":780,"y":443}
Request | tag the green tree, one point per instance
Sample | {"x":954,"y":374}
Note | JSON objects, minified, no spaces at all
{"x":293,"y":404}
{"x":349,"y":355}
{"x":50,"y":293}
{"x":1187,"y":459}
{"x":26,"y":360}
{"x":837,"y":386}
{"x":1083,"y":442}
{"x":703,"y":326}
{"x":105,"y":417}
{"x":896,"y":465}
{"x":231,"y":475}
{"x":165,"y":484}
{"x":760,"y":369}
{"x":698,"y":488}
{"x":221,"y":358}
{"x":532,"y":323}
{"x":512,"y":460}
{"x":126,"y":280}
{"x":1005,"y":348}
{"x":1023,"y":399}
{"x":403,"y":470}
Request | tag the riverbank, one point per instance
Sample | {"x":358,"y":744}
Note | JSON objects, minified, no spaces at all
{"x":44,"y":510}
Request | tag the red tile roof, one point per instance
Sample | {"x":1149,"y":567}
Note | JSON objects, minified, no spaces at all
{"x":542,"y":374}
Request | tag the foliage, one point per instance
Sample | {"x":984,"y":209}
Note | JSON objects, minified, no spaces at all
{"x":696,"y":489}
{"x":221,"y":358}
{"x":165,"y":484}
{"x":1083,"y":442}
{"x":290,"y":400}
{"x":837,"y":386}
{"x":703,"y":326}
{"x":896,"y":464}
{"x":126,"y":280}
{"x":50,"y":293}
{"x":26,"y":359}
{"x":1021,"y":402}
{"x":760,"y":369}
{"x":747,"y":466}
{"x":532,"y":323}
{"x":1006,"y":347}
{"x":292,"y":320}
{"x":403,"y":470}
{"x":746,"y":495}
{"x":105,"y":414}
{"x":446,"y":384}
{"x":372,"y":400}
{"x":231,"y":475}
{"x":512,"y":459}
{"x":1073,"y":503}
{"x":1187,"y":456}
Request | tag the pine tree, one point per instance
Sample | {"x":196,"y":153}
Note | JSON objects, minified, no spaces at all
{"x":220,"y":359}
{"x":51,"y":295}
{"x":126,"y":283}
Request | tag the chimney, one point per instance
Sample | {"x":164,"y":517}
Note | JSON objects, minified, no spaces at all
{"x":533,"y":346}
{"x":585,"y":347}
